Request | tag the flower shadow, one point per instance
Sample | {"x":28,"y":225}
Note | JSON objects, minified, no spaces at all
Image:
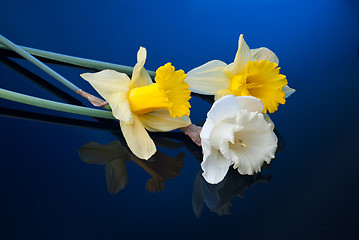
{"x":115,"y":156}
{"x":218,"y":197}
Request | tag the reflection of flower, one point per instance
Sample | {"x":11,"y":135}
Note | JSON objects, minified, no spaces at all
{"x":114,"y":156}
{"x":160,"y":166}
{"x":236,"y":132}
{"x":139,"y":103}
{"x":218,"y":197}
{"x":253,"y":73}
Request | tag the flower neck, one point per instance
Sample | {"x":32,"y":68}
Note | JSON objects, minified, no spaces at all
{"x":147,"y":99}
{"x":170,"y":92}
{"x":261,"y":79}
{"x":243,"y":83}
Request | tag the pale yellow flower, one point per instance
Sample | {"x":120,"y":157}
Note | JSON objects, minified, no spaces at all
{"x":140,"y":104}
{"x":254,"y":72}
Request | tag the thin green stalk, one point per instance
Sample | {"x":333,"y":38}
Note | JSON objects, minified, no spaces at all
{"x":39,"y":64}
{"x":82,"y":62}
{"x":63,"y":107}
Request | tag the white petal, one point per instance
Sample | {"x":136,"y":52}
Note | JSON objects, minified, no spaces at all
{"x":161,"y":121}
{"x":208,"y":78}
{"x":250,"y":103}
{"x":257,"y":134}
{"x":226,"y":107}
{"x":113,"y":87}
{"x":138,"y":139}
{"x":214,"y":165}
{"x":140,"y":76}
{"x":116,"y":176}
{"x":268,"y":120}
{"x":288,"y":91}
{"x":207,"y":129}
{"x":242,"y":57}
{"x":223,"y":132}
{"x":264,"y":53}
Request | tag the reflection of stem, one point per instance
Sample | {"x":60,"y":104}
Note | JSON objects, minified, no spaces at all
{"x":82,"y":62}
{"x":20,"y":114}
{"x":161,"y":168}
{"x":39,"y":81}
{"x":63,"y":107}
{"x":143,"y":165}
{"x":39,"y":64}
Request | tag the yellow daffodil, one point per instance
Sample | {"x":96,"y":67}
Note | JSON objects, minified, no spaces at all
{"x":139,"y":103}
{"x":254,"y":72}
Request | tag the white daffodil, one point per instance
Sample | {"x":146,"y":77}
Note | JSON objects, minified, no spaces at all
{"x":254,"y":72}
{"x":139,"y":103}
{"x":236,"y":133}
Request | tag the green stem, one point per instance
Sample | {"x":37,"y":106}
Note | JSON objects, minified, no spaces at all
{"x":63,"y":107}
{"x":39,"y":64}
{"x":82,"y":62}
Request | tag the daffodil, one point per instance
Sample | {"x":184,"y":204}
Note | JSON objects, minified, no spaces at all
{"x":140,"y":104}
{"x":236,"y":133}
{"x":254,"y":72}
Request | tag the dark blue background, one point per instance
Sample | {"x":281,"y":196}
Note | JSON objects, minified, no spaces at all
{"x":47,"y":192}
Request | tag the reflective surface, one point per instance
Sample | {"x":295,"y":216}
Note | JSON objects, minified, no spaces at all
{"x":49,"y":191}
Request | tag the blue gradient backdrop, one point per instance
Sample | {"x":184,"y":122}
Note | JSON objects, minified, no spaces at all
{"x":47,"y":192}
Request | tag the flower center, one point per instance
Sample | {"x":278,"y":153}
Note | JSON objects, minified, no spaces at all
{"x":241,"y":84}
{"x":262,"y":80}
{"x":240,"y":142}
{"x":169,"y":92}
{"x":147,"y":99}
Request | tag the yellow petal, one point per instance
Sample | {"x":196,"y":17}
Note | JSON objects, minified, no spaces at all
{"x":140,"y":76}
{"x":161,"y":121}
{"x":288,"y":91}
{"x":113,"y":87}
{"x":264,"y":54}
{"x":242,"y":57}
{"x":208,"y":78}
{"x":265,"y":82}
{"x":175,"y":88}
{"x":138,"y":139}
{"x":222,"y":93}
{"x":120,"y":106}
{"x":108,"y":82}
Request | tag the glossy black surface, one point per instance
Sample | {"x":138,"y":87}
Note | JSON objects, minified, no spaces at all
{"x":308,"y":192}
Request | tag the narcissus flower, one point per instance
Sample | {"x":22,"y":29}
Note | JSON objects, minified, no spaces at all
{"x":139,"y":103}
{"x":236,"y":133}
{"x":254,"y":72}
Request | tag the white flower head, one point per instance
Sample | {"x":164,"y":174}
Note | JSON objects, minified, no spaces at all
{"x":236,"y":133}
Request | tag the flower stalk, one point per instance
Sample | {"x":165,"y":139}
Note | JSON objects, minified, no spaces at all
{"x":37,"y":63}
{"x":63,"y":107}
{"x":77,"y":61}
